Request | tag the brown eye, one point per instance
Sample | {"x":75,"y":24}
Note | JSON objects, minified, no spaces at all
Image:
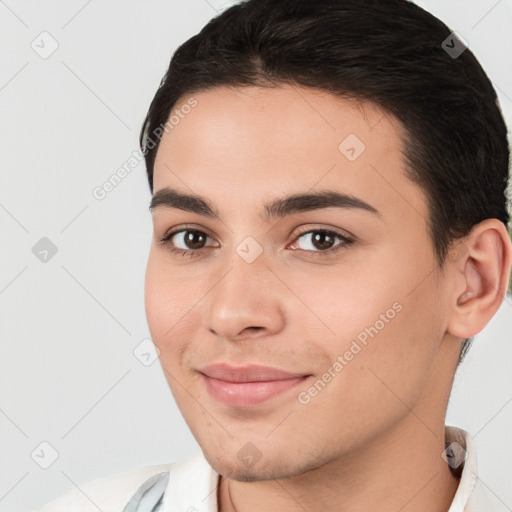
{"x":185,"y":240}
{"x":194,"y":239}
{"x":321,"y":240}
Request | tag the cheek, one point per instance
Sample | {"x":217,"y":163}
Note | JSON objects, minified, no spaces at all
{"x":373,"y":371}
{"x":340,"y":302}
{"x":164,"y":301}
{"x":156,"y":300}
{"x":399,"y":344}
{"x":371,"y":319}
{"x":173,"y":310}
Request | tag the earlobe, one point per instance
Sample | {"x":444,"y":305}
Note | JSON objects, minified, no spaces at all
{"x":481,"y":275}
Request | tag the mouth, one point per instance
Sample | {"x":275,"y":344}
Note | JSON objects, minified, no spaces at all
{"x":247,"y":386}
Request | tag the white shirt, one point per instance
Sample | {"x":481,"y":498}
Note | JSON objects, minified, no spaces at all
{"x":189,"y":485}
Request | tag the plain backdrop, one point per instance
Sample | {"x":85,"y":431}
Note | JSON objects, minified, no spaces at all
{"x":75,"y":396}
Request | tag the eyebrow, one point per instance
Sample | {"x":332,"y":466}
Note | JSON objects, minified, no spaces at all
{"x":170,"y":198}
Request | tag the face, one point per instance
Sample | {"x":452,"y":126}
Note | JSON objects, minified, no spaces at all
{"x":339,"y":291}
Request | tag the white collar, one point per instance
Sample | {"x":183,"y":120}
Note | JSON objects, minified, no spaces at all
{"x":470,"y":495}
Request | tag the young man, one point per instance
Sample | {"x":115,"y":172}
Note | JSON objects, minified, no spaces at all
{"x":328,"y":187}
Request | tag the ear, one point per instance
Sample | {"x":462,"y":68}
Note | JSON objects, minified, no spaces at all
{"x":480,"y":267}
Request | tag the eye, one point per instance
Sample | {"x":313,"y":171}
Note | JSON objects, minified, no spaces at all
{"x":185,"y":241}
{"x":321,"y":241}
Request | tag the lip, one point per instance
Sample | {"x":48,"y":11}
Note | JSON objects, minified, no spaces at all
{"x":247,"y":373}
{"x":246,"y":386}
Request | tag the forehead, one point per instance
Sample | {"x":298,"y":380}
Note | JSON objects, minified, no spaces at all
{"x":260,"y":141}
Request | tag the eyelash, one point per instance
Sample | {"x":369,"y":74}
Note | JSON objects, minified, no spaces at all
{"x":165,"y":241}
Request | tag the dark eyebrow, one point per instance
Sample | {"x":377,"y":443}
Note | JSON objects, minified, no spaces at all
{"x":170,"y":198}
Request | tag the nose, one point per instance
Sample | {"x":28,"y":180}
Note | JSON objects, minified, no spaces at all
{"x":246,"y":301}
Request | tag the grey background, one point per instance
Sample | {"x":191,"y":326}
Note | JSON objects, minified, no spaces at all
{"x":69,"y":326}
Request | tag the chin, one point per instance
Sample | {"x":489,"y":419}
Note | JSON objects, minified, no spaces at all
{"x":240,"y":473}
{"x":247,"y":475}
{"x":265,"y":469}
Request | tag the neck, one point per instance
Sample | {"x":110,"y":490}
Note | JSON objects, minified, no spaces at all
{"x":400,"y":470}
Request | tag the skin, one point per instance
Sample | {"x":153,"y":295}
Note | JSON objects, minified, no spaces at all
{"x":372,"y":438}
